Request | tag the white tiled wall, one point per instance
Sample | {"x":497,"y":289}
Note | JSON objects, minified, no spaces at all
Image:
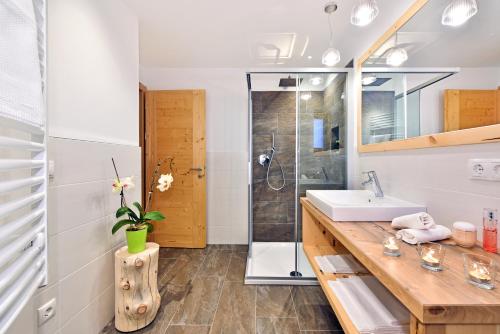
{"x":81,"y":208}
{"x":438,"y":178}
{"x":227,"y":149}
{"x":81,"y":247}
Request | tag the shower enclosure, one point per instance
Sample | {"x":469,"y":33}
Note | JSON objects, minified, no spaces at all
{"x":297,"y":140}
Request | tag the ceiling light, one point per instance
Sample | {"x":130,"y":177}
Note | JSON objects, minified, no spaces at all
{"x":316,"y":81}
{"x":306,"y":96}
{"x":458,"y":12}
{"x":309,"y":57}
{"x":331,"y":56}
{"x":364,"y":12}
{"x":368,"y":80}
{"x":396,"y":56}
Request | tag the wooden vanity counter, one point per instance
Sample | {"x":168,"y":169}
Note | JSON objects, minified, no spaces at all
{"x":440,"y":302}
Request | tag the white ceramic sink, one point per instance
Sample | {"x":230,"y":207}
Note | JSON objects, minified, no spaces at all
{"x":360,"y":205}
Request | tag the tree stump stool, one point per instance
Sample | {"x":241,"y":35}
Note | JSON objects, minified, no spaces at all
{"x":137,"y":299}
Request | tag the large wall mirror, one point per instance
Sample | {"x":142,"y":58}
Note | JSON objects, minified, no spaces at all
{"x":433,"y":79}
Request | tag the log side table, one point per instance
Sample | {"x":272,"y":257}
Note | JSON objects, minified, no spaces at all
{"x":137,"y":299}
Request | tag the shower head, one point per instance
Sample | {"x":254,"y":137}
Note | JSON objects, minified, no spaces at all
{"x":289,"y":82}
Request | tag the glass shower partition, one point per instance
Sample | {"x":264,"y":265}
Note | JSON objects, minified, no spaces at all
{"x":321,"y":163}
{"x":296,"y":139}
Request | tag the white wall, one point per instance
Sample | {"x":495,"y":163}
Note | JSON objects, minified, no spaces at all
{"x":438,"y":178}
{"x":92,"y":116}
{"x":92,"y":95}
{"x":227,"y":149}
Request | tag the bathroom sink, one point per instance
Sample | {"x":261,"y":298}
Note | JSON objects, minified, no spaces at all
{"x":360,"y":205}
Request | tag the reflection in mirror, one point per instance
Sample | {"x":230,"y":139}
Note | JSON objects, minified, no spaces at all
{"x":432,"y":76}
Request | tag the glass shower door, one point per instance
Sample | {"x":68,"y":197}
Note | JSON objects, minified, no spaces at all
{"x":321,"y":133}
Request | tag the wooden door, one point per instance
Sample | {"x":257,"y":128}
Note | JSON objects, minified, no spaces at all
{"x":465,"y":109}
{"x":175,"y":127}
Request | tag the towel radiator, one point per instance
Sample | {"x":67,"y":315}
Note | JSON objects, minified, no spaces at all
{"x":23,"y":160}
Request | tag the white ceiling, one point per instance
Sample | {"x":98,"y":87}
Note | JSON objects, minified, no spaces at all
{"x":235,"y":33}
{"x":430,"y":44}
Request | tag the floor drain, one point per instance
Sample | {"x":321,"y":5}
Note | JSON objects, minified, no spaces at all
{"x":295,"y":274}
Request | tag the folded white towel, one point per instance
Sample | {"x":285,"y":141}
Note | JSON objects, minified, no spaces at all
{"x":418,"y":221}
{"x":345,"y":264}
{"x":414,"y":236}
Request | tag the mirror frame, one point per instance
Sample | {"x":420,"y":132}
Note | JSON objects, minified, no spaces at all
{"x":479,"y":135}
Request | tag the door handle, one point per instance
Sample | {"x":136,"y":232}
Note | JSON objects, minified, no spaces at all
{"x":199,"y":170}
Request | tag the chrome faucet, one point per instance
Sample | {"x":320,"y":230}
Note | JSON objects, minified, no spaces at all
{"x":373,"y":180}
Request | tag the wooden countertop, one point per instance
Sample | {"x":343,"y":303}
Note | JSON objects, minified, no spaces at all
{"x":432,"y":297}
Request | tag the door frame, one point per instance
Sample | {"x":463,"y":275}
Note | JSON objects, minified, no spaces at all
{"x":142,"y":138}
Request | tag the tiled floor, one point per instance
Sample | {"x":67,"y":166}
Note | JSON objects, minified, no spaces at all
{"x":203,"y":292}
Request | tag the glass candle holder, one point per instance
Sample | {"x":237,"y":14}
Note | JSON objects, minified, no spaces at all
{"x":391,"y":246}
{"x":480,"y":270}
{"x":431,"y":255}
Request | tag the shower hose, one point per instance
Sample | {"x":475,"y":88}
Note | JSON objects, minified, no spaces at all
{"x":269,"y":168}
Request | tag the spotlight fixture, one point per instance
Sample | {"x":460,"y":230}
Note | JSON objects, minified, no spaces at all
{"x":368,"y":80}
{"x":331,"y":56}
{"x":396,"y":56}
{"x":458,"y":12}
{"x":364,"y":12}
{"x":316,"y":81}
{"x":306,"y":96}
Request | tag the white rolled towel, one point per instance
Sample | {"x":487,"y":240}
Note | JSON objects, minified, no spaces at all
{"x":414,"y":236}
{"x":418,"y":221}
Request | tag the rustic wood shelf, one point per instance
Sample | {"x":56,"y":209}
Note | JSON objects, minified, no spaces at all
{"x":439,"y":302}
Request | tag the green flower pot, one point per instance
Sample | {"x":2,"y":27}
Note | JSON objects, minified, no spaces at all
{"x":136,"y":240}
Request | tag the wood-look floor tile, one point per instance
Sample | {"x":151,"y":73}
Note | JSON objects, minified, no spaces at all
{"x":216,"y":264}
{"x":277,"y":326}
{"x":181,"y":329}
{"x":236,"y":311}
{"x":275,"y":301}
{"x":313,"y":310}
{"x":237,"y":266}
{"x":173,"y":253}
{"x":164,"y":266}
{"x":200,"y":302}
{"x":182,"y":271}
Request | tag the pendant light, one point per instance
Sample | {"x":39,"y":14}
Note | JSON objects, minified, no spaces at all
{"x":364,"y":12}
{"x":396,"y":55}
{"x":331,"y":56}
{"x":458,"y":12}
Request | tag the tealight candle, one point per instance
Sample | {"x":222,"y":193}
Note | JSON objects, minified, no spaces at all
{"x":429,"y":258}
{"x":480,"y":270}
{"x":480,"y":273}
{"x":431,"y":255}
{"x":391,"y":246}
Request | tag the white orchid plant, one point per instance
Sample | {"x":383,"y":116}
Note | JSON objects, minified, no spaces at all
{"x":142,"y":219}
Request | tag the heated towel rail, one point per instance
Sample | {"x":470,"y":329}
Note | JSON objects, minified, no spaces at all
{"x":23,"y":160}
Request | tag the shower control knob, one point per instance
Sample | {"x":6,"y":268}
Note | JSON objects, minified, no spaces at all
{"x":263,"y":159}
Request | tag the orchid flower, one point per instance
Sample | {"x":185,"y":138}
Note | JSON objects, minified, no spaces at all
{"x":126,"y":183}
{"x":164,"y":182}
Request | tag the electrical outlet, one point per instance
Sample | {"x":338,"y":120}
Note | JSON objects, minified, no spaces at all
{"x":484,"y":169}
{"x":46,"y":311}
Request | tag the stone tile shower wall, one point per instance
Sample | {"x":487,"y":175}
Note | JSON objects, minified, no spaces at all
{"x":273,"y":211}
{"x":319,"y":168}
{"x":325,"y":169}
